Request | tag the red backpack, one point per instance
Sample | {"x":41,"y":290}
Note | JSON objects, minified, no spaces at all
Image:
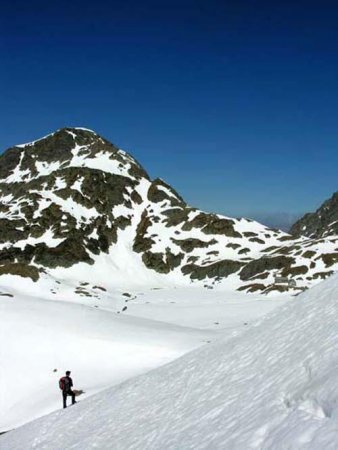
{"x":62,"y":383}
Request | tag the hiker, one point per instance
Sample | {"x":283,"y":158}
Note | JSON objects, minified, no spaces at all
{"x":66,"y":384}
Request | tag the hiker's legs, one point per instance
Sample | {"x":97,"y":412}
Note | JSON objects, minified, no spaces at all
{"x":64,"y":396}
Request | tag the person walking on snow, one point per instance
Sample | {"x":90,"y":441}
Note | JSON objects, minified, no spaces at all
{"x":66,"y":384}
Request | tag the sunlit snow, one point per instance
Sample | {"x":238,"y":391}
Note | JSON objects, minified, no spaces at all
{"x":271,"y":387}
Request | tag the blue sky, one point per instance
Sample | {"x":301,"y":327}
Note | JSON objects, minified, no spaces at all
{"x":234,"y":103}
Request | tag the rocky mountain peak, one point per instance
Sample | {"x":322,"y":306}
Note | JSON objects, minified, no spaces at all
{"x":67,"y":147}
{"x":73,"y":197}
{"x":64,"y":138}
{"x":323,"y":222}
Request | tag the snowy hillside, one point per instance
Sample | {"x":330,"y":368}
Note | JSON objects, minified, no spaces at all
{"x":110,"y":274}
{"x":104,"y":339}
{"x":76,"y":207}
{"x":271,"y":387}
{"x":41,"y":339}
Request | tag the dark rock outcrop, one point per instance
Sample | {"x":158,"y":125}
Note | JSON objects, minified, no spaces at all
{"x":322,"y":223}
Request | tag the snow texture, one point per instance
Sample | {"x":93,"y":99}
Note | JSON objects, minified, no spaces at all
{"x":273,"y":386}
{"x":105,"y":335}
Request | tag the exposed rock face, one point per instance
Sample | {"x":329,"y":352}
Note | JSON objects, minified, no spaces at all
{"x":265,"y":264}
{"x":59,"y":186}
{"x":216,"y":270}
{"x":23,"y":270}
{"x":322,"y":223}
{"x":73,"y":197}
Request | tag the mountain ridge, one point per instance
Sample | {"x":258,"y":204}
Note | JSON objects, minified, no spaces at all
{"x":321,"y":223}
{"x":73,"y":198}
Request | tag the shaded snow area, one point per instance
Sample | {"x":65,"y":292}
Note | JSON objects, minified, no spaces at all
{"x":273,"y":386}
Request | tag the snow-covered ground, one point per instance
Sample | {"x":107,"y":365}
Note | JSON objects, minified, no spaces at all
{"x":51,"y":326}
{"x":100,"y":347}
{"x":271,"y":387}
{"x":222,"y":310}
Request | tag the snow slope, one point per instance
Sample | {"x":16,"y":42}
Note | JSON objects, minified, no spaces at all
{"x":272,"y":387}
{"x":101,"y":348}
{"x":103,"y":336}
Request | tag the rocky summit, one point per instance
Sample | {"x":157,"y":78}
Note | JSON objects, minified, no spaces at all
{"x":322,"y":223}
{"x":73,"y":204}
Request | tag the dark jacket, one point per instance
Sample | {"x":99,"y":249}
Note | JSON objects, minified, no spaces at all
{"x":68,"y":384}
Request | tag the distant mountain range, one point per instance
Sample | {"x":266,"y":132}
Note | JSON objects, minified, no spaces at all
{"x":72,"y":201}
{"x":281,"y":220}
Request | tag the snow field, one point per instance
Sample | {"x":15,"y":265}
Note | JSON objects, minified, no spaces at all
{"x":273,"y":387}
{"x":101,"y":348}
{"x":105,"y":338}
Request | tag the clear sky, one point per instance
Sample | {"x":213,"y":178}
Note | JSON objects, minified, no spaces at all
{"x":234,"y":103}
